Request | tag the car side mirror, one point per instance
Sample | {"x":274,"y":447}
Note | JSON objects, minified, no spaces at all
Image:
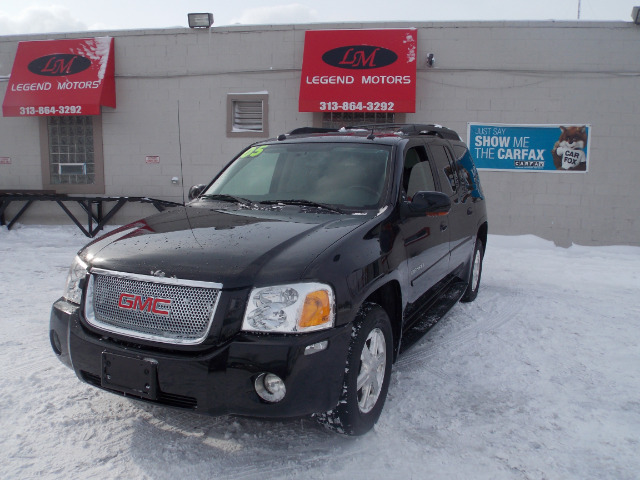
{"x":430,"y":204}
{"x":195,"y":191}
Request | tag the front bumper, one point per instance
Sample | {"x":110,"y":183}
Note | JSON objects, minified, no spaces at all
{"x":217,"y":380}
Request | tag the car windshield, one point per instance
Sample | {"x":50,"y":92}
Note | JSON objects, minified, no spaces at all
{"x":352,"y":176}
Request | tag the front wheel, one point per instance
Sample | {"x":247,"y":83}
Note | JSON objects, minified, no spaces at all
{"x":367,"y":374}
{"x":476,"y":272}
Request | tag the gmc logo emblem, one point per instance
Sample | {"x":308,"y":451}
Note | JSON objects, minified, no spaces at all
{"x":359,"y":57}
{"x":159,"y":306}
{"x":59,"y":65}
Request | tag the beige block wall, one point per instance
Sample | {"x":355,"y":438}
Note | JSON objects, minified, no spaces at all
{"x":172,"y":86}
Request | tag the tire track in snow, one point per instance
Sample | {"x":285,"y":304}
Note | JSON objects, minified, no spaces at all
{"x":227,"y":439}
{"x":499,"y":313}
{"x":294,"y":465}
{"x":28,"y":367}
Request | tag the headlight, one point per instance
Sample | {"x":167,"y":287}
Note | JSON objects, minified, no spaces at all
{"x":75,"y":281}
{"x":302,"y":307}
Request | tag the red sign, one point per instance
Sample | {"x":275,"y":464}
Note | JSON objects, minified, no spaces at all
{"x":61,"y":77}
{"x":359,"y":71}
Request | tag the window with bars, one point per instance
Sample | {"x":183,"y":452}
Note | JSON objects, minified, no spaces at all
{"x":247,"y":115}
{"x":71,"y":159}
{"x":71,"y":162}
{"x":345,"y":119}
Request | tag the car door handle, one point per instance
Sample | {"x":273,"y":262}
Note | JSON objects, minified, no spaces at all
{"x":443,"y":227}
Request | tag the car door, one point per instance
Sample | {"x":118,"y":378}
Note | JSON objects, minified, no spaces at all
{"x":461,"y":233}
{"x":426,"y":238}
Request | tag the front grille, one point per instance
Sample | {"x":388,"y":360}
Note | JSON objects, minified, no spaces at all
{"x":160,"y":309}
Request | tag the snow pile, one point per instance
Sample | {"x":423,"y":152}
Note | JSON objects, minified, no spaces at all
{"x":538,"y":378}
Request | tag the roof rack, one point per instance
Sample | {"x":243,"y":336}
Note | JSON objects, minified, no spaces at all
{"x":398,"y":128}
{"x":411,"y":129}
{"x":309,"y":130}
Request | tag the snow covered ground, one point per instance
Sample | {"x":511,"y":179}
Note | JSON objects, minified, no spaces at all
{"x":538,"y":378}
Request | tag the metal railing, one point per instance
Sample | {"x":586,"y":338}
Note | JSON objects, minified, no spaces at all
{"x":99,"y":210}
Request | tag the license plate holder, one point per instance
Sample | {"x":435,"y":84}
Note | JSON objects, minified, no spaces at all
{"x":135,"y":376}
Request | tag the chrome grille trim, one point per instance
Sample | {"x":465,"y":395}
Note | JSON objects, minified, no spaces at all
{"x":187,"y":321}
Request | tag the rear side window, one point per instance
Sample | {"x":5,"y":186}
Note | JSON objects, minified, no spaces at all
{"x":467,"y":171}
{"x":443,"y":161}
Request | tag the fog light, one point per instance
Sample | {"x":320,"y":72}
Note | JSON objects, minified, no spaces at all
{"x":270,"y":387}
{"x":55,"y":342}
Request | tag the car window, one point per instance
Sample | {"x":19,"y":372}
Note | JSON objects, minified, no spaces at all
{"x":442,"y":159}
{"x":467,"y":171}
{"x":418,"y":176}
{"x":253,"y":176}
{"x":348,"y":175}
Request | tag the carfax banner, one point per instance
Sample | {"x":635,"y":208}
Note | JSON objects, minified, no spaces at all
{"x":537,"y":148}
{"x":359,"y":71}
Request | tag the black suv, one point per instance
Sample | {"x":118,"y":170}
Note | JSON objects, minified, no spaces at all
{"x":289,"y":284}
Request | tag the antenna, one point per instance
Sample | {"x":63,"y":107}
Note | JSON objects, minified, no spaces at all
{"x":180,"y":154}
{"x":579,"y":3}
{"x":184,"y":203}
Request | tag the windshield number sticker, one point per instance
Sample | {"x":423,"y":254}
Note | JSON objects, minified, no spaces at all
{"x":253,"y":151}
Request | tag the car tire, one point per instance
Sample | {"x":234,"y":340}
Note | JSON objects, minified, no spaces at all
{"x":475,"y":274}
{"x":368,"y":364}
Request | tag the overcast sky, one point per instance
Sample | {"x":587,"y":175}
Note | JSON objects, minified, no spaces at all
{"x":40,"y":16}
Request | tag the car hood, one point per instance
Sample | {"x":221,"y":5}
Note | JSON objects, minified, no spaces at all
{"x":234,"y":246}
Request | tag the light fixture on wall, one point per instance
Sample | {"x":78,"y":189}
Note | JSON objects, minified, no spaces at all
{"x":200,"y":20}
{"x":430,"y":59}
{"x":635,"y":14}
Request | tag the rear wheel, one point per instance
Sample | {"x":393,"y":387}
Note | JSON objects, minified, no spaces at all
{"x":368,"y":370}
{"x":476,"y":272}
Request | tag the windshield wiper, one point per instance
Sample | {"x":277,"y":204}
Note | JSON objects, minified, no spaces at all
{"x":227,"y":198}
{"x":305,"y":203}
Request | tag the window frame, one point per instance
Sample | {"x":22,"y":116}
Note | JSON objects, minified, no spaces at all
{"x":248,"y":97}
{"x":98,"y":160}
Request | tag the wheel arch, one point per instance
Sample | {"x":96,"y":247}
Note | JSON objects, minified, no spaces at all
{"x":389,"y":297}
{"x":483,"y":231}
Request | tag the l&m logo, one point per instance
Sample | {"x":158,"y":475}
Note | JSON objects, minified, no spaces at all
{"x":59,"y":64}
{"x":359,"y":57}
